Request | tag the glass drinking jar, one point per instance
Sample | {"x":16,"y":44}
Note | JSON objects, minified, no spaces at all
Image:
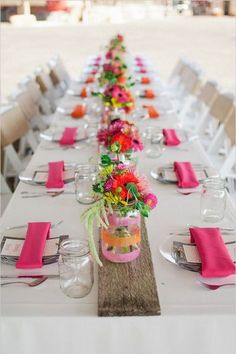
{"x":213,"y":199}
{"x":75,"y":268}
{"x":85,"y":177}
{"x":121,"y":241}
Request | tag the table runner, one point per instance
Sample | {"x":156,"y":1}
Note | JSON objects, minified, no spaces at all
{"x":129,"y":289}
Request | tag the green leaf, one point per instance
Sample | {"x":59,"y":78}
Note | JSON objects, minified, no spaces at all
{"x":105,"y":160}
{"x":132,"y":188}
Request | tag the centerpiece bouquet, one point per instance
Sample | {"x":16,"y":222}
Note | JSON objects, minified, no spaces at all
{"x":123,"y":196}
{"x":112,"y":73}
{"x":116,"y":97}
{"x":121,"y":136}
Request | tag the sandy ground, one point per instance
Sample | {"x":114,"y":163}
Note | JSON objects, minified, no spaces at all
{"x":208,"y":41}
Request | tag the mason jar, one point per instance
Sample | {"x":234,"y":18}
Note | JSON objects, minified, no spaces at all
{"x":121,"y":241}
{"x":85,"y":178}
{"x":213,"y":199}
{"x":75,"y":268}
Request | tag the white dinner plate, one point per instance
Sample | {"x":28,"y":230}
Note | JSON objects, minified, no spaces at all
{"x":54,"y":134}
{"x":38,"y":175}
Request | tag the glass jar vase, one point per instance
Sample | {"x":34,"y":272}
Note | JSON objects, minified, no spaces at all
{"x":75,"y":268}
{"x":213,"y":199}
{"x":121,"y":241}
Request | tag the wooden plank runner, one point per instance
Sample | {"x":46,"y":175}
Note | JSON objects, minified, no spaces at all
{"x":128,"y":289}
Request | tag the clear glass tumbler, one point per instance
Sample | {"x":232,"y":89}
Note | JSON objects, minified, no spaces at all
{"x":153,"y":143}
{"x":213,"y":200}
{"x":85,"y":177}
{"x":75,"y":268}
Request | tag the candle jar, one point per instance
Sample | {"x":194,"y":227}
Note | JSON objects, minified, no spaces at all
{"x":213,"y":200}
{"x":121,"y":241}
{"x":75,"y":268}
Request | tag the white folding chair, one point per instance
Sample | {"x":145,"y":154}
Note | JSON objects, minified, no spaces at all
{"x":46,"y":87}
{"x":219,"y":113}
{"x":14,"y":127}
{"x":59,"y":75}
{"x":199,"y":105}
{"x":29,"y":107}
{"x":29,"y":84}
{"x":222,"y":147}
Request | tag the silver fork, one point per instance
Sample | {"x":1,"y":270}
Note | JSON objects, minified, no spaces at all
{"x":214,"y":286}
{"x":33,"y":283}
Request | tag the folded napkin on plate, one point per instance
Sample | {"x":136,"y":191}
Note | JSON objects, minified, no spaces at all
{"x":79,"y":111}
{"x":186,"y":175}
{"x":145,"y":80}
{"x":83,"y":93}
{"x":89,"y":80}
{"x":171,"y":138}
{"x":149,"y":94}
{"x":216,"y":260}
{"x":55,"y":175}
{"x":152,"y":112}
{"x":33,"y":248}
{"x":68,"y":136}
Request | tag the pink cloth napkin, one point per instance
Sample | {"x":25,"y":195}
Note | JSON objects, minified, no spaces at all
{"x":68,"y":136}
{"x":186,"y":175}
{"x":34,"y":244}
{"x":216,"y":260}
{"x":55,"y":175}
{"x":171,"y":138}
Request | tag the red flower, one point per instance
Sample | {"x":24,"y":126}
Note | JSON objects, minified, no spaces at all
{"x":119,"y":183}
{"x":124,"y":141}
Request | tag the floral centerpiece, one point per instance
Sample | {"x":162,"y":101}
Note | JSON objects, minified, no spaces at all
{"x":113,"y":73}
{"x":115,"y":46}
{"x":122,"y":196}
{"x":121,"y":136}
{"x":116,"y":97}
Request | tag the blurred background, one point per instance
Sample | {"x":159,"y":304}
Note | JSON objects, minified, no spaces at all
{"x":163,"y":30}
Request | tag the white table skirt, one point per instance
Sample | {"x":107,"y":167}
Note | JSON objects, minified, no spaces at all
{"x":43,"y":320}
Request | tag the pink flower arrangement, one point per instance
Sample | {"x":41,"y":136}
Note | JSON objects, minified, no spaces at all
{"x":121,"y":136}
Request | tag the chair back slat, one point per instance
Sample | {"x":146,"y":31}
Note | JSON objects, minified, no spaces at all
{"x":13,"y":125}
{"x":209,"y":93}
{"x":230,"y":126}
{"x":222,"y":107}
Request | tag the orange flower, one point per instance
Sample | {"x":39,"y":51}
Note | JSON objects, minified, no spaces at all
{"x":145,"y":80}
{"x":83,"y":92}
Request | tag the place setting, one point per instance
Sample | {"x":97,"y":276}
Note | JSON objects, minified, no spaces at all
{"x":52,"y":176}
{"x":65,"y":137}
{"x":194,"y":252}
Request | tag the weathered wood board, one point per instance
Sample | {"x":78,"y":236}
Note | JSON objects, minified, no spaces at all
{"x":128,"y":289}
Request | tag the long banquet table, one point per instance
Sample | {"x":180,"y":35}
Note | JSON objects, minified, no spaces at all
{"x":43,"y":320}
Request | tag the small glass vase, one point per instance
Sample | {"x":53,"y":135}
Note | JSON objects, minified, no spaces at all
{"x":109,"y":114}
{"x":121,"y":241}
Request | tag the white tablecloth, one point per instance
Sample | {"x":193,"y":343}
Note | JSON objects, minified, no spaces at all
{"x":43,"y":320}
